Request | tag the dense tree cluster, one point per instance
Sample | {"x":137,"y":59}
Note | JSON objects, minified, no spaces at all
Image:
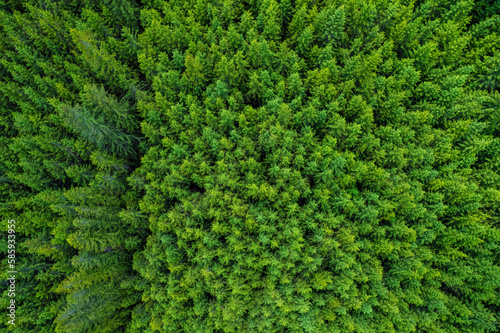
{"x":251,"y":166}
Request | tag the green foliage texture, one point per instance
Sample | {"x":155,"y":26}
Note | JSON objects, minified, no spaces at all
{"x":251,"y":166}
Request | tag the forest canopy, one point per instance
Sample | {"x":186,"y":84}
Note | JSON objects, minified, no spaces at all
{"x":250,"y":166}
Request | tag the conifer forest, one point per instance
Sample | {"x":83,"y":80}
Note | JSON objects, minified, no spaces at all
{"x":217,"y":166}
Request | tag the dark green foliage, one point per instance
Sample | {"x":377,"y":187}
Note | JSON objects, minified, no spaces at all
{"x":252,"y":166}
{"x":69,"y":140}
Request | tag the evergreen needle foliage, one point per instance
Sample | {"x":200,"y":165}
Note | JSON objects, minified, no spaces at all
{"x":251,"y":166}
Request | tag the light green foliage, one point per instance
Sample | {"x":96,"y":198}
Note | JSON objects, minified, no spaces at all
{"x":253,"y":166}
{"x":320,"y":189}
